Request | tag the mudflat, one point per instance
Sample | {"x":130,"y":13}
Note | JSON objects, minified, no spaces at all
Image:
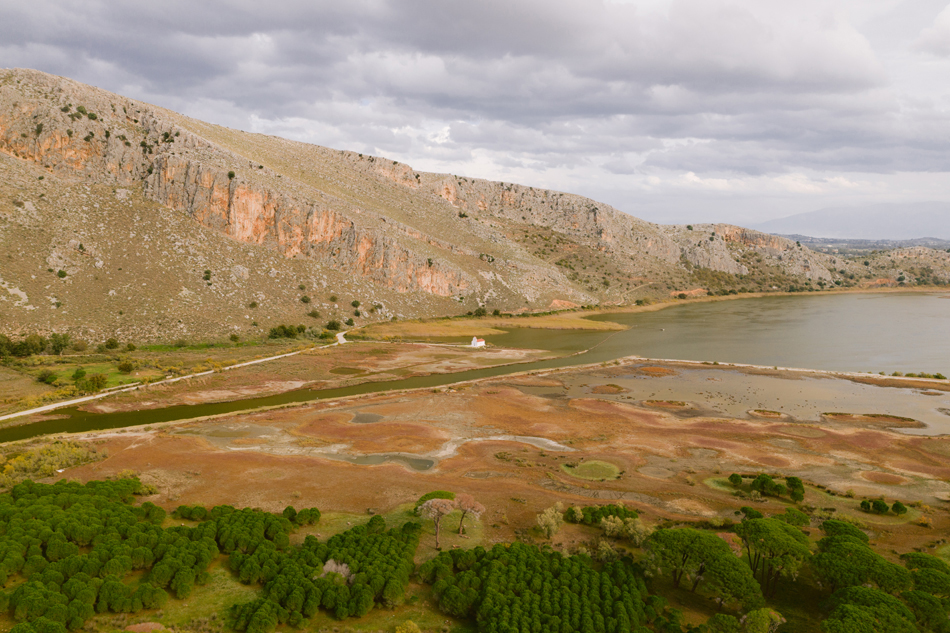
{"x":520,"y":443}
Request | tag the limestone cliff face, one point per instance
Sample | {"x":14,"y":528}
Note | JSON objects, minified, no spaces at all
{"x":576,"y":216}
{"x":67,"y":142}
{"x":99,"y":135}
{"x":794,"y":258}
{"x":296,"y":227}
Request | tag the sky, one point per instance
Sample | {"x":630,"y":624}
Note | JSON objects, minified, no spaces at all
{"x":671,"y":110}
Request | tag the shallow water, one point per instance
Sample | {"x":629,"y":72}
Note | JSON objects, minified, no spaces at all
{"x":729,"y":393}
{"x":904,"y":332}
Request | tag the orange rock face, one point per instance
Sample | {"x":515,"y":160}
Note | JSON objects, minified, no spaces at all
{"x":254,"y":214}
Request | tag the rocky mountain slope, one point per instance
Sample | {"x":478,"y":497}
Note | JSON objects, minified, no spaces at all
{"x":122,"y":218}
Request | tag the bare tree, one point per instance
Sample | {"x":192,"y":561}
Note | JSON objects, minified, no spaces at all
{"x":468,"y":506}
{"x":435,"y":509}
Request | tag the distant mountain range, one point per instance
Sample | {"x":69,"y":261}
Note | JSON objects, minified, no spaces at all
{"x":886,"y":221}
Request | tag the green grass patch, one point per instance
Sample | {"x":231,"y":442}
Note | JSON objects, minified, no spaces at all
{"x":593,"y":470}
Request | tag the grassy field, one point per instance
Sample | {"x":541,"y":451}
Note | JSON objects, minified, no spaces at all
{"x":593,"y":470}
{"x":484,"y":326}
{"x":20,"y":387}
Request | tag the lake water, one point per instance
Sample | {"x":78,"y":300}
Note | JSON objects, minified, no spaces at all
{"x":841,"y":332}
{"x":838,"y":332}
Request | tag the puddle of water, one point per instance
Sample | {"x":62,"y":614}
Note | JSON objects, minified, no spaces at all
{"x":415,"y":463}
{"x":366,"y":418}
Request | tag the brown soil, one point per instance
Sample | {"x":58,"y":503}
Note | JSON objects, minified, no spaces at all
{"x":604,"y":389}
{"x":666,"y":404}
{"x":655,"y":371}
{"x":279,"y":457}
{"x":874,"y":419}
{"x":883,"y":478}
{"x":764,"y":413}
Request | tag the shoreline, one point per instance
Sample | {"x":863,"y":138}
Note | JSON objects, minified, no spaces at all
{"x":872,"y":378}
{"x":783,"y":371}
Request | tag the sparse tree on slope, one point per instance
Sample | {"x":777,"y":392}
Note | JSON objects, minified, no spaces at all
{"x":468,"y":506}
{"x":436,"y":509}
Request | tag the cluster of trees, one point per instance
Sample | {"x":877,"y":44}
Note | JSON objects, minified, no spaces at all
{"x":593,"y":515}
{"x":699,"y":558}
{"x":869,"y":594}
{"x":33,"y":344}
{"x":75,"y":544}
{"x":306,"y":516}
{"x":347,"y":576}
{"x":879,"y":506}
{"x":438,"y":504}
{"x":874,"y":595}
{"x":775,"y":550}
{"x":518,"y":587}
{"x":766,"y":486}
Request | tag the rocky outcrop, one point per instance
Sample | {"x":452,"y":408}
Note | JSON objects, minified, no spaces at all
{"x":581,"y":218}
{"x":296,"y":227}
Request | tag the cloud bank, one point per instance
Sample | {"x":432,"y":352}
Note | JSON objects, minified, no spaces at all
{"x":670,"y":110}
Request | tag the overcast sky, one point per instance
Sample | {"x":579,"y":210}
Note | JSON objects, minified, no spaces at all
{"x":674,"y":111}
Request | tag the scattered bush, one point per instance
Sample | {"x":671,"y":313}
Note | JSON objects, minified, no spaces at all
{"x":286,"y":331}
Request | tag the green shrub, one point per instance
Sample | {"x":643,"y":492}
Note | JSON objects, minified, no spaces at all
{"x":46,"y":376}
{"x":305,"y":299}
{"x":112,"y":343}
{"x":435,"y":494}
{"x":61,"y":274}
{"x":332,"y":325}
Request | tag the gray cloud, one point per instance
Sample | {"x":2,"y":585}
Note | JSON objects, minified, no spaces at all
{"x":729,"y":109}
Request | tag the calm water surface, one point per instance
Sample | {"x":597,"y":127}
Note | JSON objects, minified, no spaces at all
{"x":858,"y":332}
